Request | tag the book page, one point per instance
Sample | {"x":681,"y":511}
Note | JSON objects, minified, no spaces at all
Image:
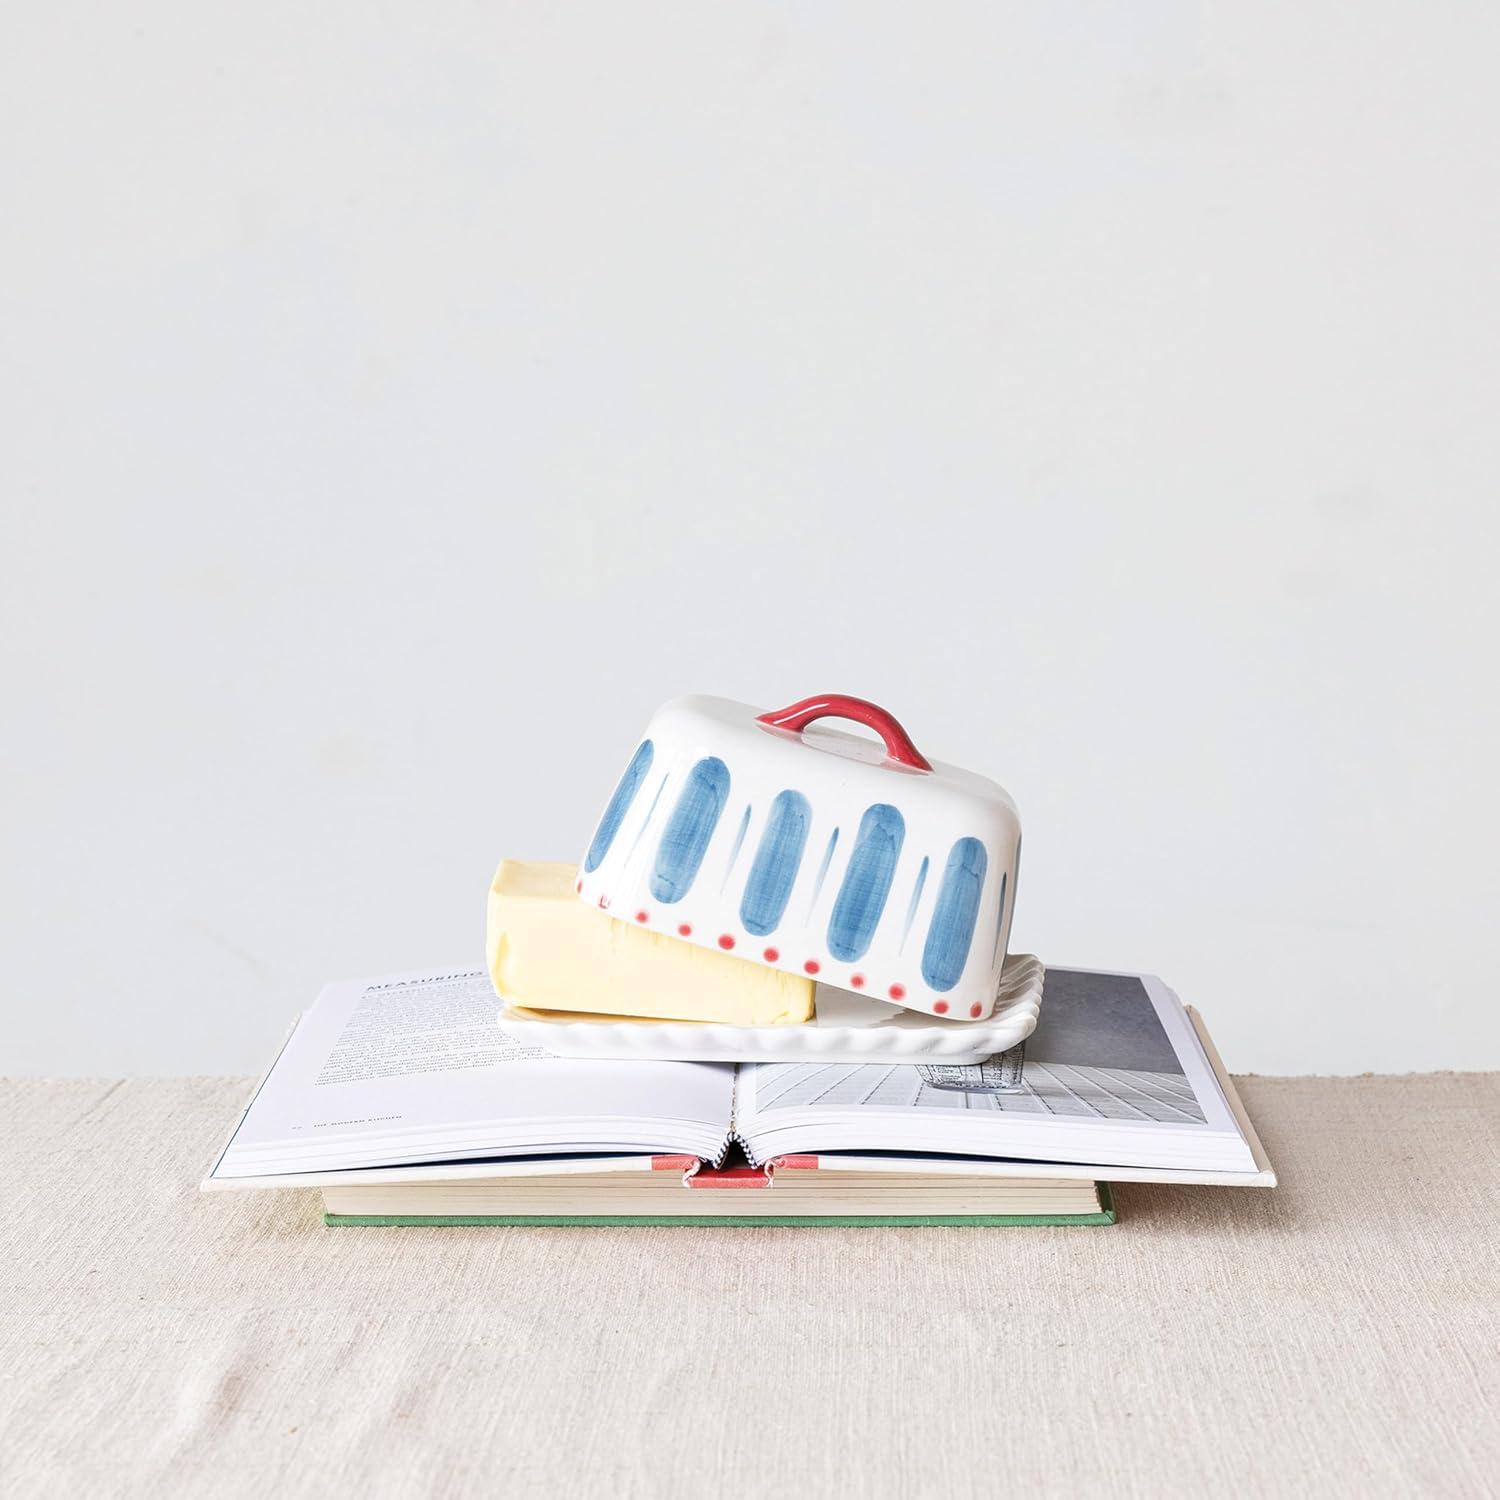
{"x":414,"y":1067}
{"x":1113,"y":1072}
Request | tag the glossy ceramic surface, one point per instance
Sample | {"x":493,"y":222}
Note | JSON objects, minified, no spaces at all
{"x":772,"y":837}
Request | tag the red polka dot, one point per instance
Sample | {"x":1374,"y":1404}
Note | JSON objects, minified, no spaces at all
{"x":578,"y":885}
{"x":898,"y":992}
{"x":640,"y":916}
{"x":812,"y":966}
{"x":725,"y":941}
{"x":857,"y":981}
{"x":976,"y":1010}
{"x":940,"y":1006}
{"x":604,"y":903}
{"x":685,"y":930}
{"x":772,"y":954}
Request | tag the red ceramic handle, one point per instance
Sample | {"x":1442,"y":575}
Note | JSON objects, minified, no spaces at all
{"x":797,"y":716}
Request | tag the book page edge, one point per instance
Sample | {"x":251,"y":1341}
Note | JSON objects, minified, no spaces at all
{"x":211,"y":1183}
{"x":1265,"y":1174}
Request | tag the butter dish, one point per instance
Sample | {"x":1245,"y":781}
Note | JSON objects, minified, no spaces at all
{"x":772,"y":837}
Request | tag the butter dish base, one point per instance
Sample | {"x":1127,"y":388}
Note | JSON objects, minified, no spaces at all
{"x":847,"y":1028}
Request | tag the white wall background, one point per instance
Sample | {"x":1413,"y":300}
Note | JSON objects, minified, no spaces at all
{"x":400,"y":401}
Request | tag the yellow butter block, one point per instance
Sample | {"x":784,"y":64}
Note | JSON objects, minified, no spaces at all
{"x":549,"y":951}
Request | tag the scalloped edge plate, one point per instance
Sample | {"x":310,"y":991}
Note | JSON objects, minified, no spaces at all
{"x":848,"y":1028}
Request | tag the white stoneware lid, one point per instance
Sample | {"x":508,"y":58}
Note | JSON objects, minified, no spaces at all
{"x":813,"y":850}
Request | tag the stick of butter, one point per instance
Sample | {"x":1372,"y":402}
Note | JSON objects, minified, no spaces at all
{"x":548,"y":951}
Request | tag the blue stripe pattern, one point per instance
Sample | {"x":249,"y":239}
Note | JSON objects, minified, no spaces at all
{"x":640,"y":832}
{"x":734,"y":853}
{"x":952,"y":927}
{"x":867,"y":882}
{"x":619,"y":805}
{"x":1014,"y":881}
{"x":916,"y":896}
{"x":689,"y":829}
{"x":833,"y":843}
{"x":777,"y":860}
{"x":999,"y":919}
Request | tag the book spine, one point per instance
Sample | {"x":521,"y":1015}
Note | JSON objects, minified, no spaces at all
{"x":715,"y":1178}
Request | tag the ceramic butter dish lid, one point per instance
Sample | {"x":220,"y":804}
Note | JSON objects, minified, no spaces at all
{"x":813,"y":850}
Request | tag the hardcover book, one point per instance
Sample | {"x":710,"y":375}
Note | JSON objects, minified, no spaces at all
{"x":403,"y":1101}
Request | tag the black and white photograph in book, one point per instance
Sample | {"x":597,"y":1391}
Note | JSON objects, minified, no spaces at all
{"x":1099,"y":1051}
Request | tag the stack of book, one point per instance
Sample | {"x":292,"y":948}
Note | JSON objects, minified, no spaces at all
{"x":405,"y":1103}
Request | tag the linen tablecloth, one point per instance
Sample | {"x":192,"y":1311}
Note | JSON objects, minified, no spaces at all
{"x":1336,"y":1335}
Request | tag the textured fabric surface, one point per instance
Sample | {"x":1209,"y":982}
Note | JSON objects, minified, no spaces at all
{"x":1334,"y":1336}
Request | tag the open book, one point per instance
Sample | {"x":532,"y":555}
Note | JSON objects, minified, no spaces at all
{"x":409,"y":1079}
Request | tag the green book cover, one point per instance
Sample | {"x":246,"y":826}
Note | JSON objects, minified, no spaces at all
{"x":1106,"y":1215}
